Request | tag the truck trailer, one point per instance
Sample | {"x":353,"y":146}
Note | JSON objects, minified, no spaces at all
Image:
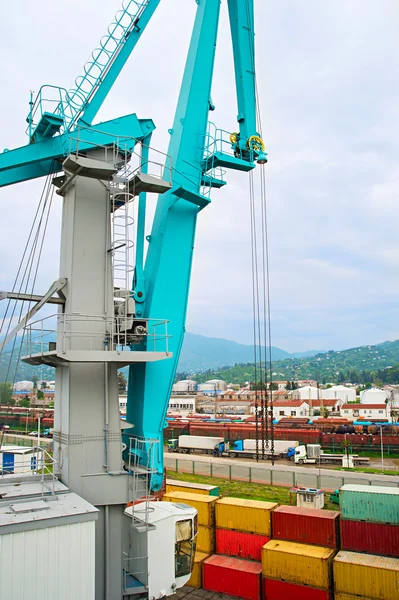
{"x":186,"y":444}
{"x":311,"y":454}
{"x":247,"y":449}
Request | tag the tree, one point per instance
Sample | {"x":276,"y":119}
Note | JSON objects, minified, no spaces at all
{"x":34,"y":379}
{"x":273,"y":386}
{"x":325,"y":412}
{"x":6,"y":393}
{"x":288,"y":386}
{"x":122,"y":383}
{"x":51,"y":405}
{"x":25,"y":402}
{"x":44,"y":385}
{"x":40,"y":395}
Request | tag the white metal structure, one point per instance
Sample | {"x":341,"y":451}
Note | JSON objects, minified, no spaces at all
{"x":35,"y":523}
{"x":339,"y":392}
{"x":185,"y":385}
{"x":161,"y":556}
{"x":373,"y":396}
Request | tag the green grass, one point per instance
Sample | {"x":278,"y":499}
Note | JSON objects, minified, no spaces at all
{"x":243,"y":489}
{"x":369,"y":470}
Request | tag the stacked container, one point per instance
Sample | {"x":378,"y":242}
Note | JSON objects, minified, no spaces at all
{"x":174,"y":485}
{"x":290,"y":568}
{"x":369,"y":524}
{"x":243,"y":527}
{"x":205,"y":505}
{"x":298,"y":561}
{"x":196,"y":575}
{"x":370,"y":519}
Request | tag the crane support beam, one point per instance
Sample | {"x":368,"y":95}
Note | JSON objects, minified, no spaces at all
{"x":169,"y":256}
{"x":43,"y":158}
{"x":241,"y":16}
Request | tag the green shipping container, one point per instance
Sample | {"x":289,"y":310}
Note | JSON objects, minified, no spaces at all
{"x":373,"y":503}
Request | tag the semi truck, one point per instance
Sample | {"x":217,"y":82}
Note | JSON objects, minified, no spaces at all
{"x":247,"y":449}
{"x":312,"y":454}
{"x":186,"y":444}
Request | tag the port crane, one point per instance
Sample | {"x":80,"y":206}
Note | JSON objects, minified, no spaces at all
{"x":112,"y":313}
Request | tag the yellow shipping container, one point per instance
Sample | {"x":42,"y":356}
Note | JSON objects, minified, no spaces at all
{"x":339,"y":596}
{"x":196,"y":575}
{"x":205,"y":505}
{"x":170,"y":487}
{"x":367,"y":575}
{"x":244,"y":515}
{"x":205,"y":539}
{"x":298,"y":563}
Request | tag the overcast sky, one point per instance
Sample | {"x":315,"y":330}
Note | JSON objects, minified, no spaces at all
{"x":329,"y":96}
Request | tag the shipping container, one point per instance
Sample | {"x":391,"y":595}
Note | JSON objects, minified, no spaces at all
{"x":274,"y":589}
{"x":205,"y":540}
{"x":298,"y":563}
{"x":196,"y":575}
{"x":204,"y":504}
{"x":232,"y":576}
{"x":240,"y":543}
{"x":245,"y":515}
{"x":174,"y":485}
{"x":306,"y":525}
{"x":339,"y":596}
{"x":366,"y":575}
{"x":373,"y":503}
{"x":373,"y":538}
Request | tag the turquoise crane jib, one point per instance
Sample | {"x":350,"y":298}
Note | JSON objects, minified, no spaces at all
{"x":168,"y":264}
{"x":45,"y":157}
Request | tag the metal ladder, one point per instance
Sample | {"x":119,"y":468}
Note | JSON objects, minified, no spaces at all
{"x":141,"y":452}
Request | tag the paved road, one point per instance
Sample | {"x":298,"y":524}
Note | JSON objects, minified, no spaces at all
{"x":287,"y":468}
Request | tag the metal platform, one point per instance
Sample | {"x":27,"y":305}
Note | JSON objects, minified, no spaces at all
{"x":122,"y":358}
{"x":89,"y":167}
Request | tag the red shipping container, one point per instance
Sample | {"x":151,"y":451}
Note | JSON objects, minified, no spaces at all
{"x":232,"y":576}
{"x":374,"y":538}
{"x":281,"y":590}
{"x":306,"y":525}
{"x":240,"y":543}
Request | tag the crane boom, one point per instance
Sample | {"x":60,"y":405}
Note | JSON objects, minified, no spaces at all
{"x":169,"y":259}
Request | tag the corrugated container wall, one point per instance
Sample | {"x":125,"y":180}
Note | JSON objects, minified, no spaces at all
{"x":53,"y":562}
{"x":282,"y":590}
{"x":205,"y":505}
{"x":366,"y":575}
{"x":306,"y":525}
{"x":205,"y":540}
{"x":232,"y":576}
{"x":240,"y":543}
{"x":373,"y":538}
{"x":196,"y":575}
{"x":245,"y":515}
{"x":298,"y":563}
{"x":339,"y":596}
{"x":376,"y":504}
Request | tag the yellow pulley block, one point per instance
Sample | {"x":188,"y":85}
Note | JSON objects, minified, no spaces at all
{"x":256,"y":143}
{"x":233,"y":137}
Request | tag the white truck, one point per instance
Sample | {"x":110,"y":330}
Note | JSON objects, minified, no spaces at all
{"x":186,"y":444}
{"x":247,"y":449}
{"x":312,"y":454}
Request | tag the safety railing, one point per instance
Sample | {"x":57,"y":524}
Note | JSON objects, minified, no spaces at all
{"x":71,"y":103}
{"x":67,"y":332}
{"x":35,"y":461}
{"x":135,"y":574}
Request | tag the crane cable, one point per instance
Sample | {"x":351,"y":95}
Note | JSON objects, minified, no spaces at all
{"x":35,"y":242}
{"x":265,"y":368}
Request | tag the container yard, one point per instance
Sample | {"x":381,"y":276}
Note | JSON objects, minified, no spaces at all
{"x":289,"y":552}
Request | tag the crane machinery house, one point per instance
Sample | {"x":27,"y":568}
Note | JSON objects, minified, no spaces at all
{"x":109,"y":308}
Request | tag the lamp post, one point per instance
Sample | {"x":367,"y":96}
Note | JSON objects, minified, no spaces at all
{"x":382,"y":450}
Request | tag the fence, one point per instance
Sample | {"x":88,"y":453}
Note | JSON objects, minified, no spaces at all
{"x":13,"y":440}
{"x":297,"y":477}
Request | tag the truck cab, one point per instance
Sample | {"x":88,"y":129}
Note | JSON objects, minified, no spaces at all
{"x":172,"y":444}
{"x":334,"y":497}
